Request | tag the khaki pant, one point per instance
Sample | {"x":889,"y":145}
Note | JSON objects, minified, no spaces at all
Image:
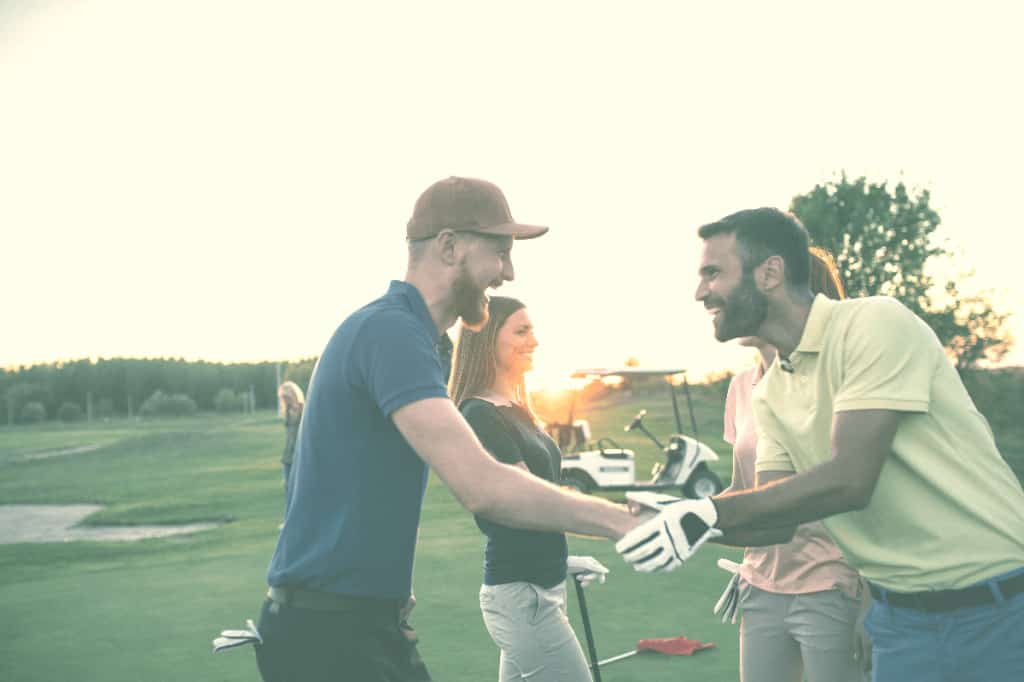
{"x":785,"y":637}
{"x":530,"y":626}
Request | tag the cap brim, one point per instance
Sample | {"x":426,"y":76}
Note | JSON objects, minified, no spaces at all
{"x":515,"y":230}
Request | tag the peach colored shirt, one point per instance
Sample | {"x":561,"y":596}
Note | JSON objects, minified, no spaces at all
{"x":810,"y":562}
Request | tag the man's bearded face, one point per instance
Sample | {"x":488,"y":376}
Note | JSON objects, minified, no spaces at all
{"x":741,"y":312}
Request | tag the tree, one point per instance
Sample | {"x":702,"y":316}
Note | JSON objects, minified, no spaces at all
{"x":882,"y":240}
{"x":69,"y":412}
{"x":19,"y":395}
{"x":227,"y":400}
{"x":33,"y":413}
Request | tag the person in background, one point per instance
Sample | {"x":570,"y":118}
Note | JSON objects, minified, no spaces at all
{"x":291,"y":401}
{"x":523,"y":595}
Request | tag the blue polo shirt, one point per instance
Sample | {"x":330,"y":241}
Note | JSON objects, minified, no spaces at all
{"x":356,"y":485}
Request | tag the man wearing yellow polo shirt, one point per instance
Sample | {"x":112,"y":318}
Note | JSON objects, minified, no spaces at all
{"x":862,"y":422}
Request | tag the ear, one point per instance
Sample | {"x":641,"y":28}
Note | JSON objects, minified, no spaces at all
{"x":770,"y":274}
{"x":446,"y":243}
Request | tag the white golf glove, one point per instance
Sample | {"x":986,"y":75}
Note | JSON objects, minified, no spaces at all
{"x":586,"y":569}
{"x":728,"y":604}
{"x":639,"y":501}
{"x":670,"y":538}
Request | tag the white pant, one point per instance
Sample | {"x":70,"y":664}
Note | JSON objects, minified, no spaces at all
{"x":784,"y":637}
{"x":529,"y":625}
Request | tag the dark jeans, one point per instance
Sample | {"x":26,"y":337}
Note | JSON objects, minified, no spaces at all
{"x":364,"y":643}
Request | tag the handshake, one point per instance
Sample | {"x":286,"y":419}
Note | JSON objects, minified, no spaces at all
{"x":675,"y":534}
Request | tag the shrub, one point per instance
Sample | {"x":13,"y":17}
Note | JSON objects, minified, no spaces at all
{"x":161,"y":404}
{"x":104,"y":408}
{"x":227,"y":400}
{"x":69,"y":412}
{"x":33,"y":413}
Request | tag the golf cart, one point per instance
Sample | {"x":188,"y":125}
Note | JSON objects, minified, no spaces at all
{"x":606,"y":466}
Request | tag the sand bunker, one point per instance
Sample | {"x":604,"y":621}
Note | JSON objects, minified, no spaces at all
{"x":55,"y":523}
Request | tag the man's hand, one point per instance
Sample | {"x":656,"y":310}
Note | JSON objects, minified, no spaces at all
{"x":586,"y":569}
{"x":403,"y":619}
{"x":406,"y":610}
{"x":670,"y":538}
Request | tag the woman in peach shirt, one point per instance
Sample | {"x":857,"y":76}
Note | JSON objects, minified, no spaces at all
{"x":801,"y":602}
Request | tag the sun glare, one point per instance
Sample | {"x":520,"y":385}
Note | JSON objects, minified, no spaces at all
{"x":677,"y":379}
{"x":552,"y":382}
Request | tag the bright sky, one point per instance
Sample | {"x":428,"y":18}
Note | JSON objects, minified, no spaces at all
{"x":228,"y":180}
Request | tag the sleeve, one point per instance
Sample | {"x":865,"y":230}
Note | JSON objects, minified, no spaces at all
{"x":492,"y":431}
{"x":887,"y":358}
{"x":400,"y":362}
{"x":771,"y":455}
{"x":729,"y":426}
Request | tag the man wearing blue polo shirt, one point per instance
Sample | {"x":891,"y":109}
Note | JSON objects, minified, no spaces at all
{"x":377,"y":416}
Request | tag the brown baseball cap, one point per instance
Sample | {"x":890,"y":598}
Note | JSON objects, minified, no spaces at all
{"x":465,"y":205}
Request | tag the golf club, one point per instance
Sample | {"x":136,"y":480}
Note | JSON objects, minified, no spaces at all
{"x":592,"y":650}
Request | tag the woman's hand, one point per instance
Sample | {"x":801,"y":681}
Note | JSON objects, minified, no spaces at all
{"x":586,"y":569}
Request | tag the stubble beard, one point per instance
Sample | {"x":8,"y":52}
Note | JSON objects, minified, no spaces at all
{"x":743,"y":312}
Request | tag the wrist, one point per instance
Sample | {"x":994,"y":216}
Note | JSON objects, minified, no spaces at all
{"x":724,"y":517}
{"x":623,"y":522}
{"x":715,"y":515}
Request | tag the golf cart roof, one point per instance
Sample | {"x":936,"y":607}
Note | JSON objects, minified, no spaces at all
{"x":625,"y":372}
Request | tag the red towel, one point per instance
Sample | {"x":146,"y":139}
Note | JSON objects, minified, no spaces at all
{"x":673,"y":646}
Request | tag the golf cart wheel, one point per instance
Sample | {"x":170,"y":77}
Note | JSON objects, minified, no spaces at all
{"x":703,"y":482}
{"x":577,"y":483}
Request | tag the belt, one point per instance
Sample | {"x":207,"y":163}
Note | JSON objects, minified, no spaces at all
{"x":318,"y":600}
{"x":950,"y":600}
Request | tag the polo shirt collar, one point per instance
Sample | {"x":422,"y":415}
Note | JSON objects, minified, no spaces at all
{"x":813,"y":337}
{"x":418,"y":306}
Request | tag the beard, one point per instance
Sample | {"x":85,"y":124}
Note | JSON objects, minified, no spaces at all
{"x":742,"y":313}
{"x":470,"y":301}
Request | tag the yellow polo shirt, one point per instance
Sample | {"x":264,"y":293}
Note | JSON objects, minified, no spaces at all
{"x":947,"y":511}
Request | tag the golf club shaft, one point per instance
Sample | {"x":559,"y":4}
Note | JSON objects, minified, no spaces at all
{"x":586,"y":629}
{"x":618,"y":658}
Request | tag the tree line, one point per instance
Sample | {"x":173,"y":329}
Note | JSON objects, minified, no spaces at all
{"x":121,"y":386}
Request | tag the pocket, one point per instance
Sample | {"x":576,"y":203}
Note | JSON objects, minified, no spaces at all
{"x":516,"y":602}
{"x":846,"y":608}
{"x":540,"y":603}
{"x":508,"y":610}
{"x":878,"y":621}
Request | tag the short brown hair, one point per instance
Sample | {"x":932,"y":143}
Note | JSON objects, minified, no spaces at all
{"x":762,"y":233}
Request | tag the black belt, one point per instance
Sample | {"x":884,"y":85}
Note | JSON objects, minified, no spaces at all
{"x":950,"y":600}
{"x":318,"y":600}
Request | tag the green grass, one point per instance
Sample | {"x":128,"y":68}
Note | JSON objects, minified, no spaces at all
{"x":148,"y":610}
